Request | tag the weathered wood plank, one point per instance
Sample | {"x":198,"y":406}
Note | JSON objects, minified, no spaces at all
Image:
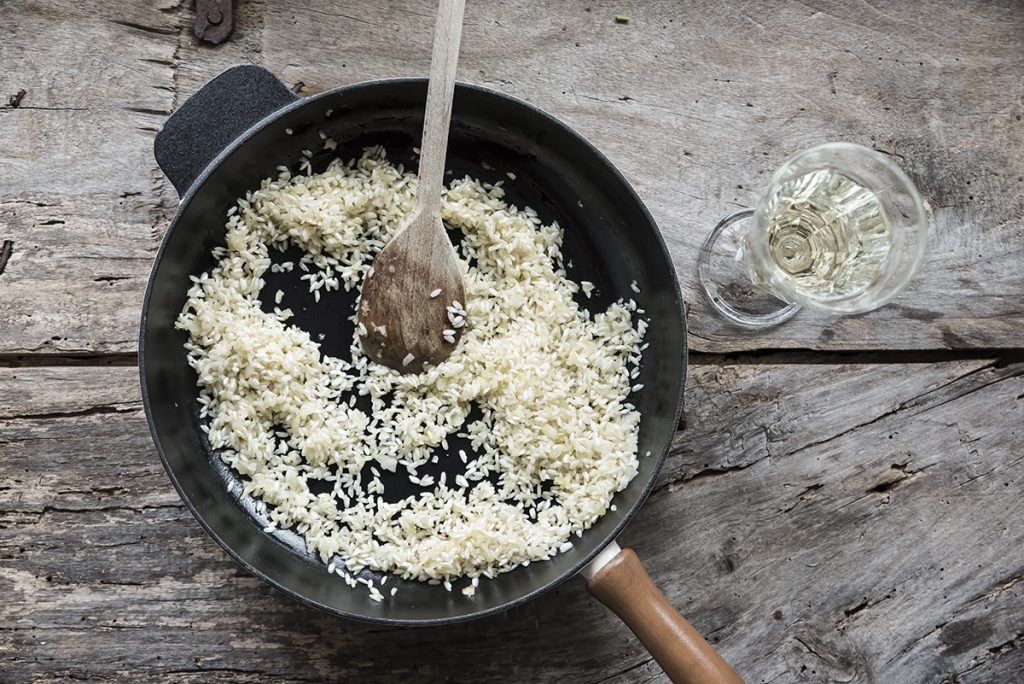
{"x":861,"y":529}
{"x":696,"y":104}
{"x":78,"y":268}
{"x":81,"y":202}
{"x":98,"y":82}
{"x":883,"y":535}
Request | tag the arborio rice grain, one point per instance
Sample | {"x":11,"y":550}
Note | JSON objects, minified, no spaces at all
{"x":557,"y":435}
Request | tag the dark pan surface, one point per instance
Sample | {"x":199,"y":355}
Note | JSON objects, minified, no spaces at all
{"x":610,"y":239}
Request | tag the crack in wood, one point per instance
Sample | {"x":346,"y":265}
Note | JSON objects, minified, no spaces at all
{"x":905,"y":475}
{"x":979,"y":475}
{"x":1000,"y":358}
{"x":998,"y":589}
{"x":805,"y":495}
{"x":30,"y":202}
{"x":811,"y":649}
{"x":766,"y":356}
{"x":6,"y":249}
{"x":183,"y":31}
{"x":914,"y":401}
{"x":91,"y":411}
{"x":851,"y":614}
{"x":626,"y":671}
{"x":775,"y":357}
{"x":674,"y":483}
{"x":906,"y":649}
{"x":987,"y":656}
{"x":117,"y":545}
{"x":144,"y":28}
{"x":26,"y":108}
{"x":214,"y":670}
{"x":64,"y":359}
{"x":147,"y":110}
{"x":361,"y":20}
{"x":108,"y":490}
{"x":53,"y":508}
{"x":1001,"y":377}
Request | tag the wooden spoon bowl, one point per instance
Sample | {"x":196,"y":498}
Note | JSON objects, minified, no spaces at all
{"x":406,"y":316}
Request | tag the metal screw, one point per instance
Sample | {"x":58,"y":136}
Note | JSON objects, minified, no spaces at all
{"x":214,"y":16}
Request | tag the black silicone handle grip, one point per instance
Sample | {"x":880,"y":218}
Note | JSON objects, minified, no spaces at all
{"x":211,"y":119}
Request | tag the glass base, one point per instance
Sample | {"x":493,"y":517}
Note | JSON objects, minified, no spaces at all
{"x":725,"y":277}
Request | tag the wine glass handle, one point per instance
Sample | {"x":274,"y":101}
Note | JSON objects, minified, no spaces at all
{"x":714,"y":295}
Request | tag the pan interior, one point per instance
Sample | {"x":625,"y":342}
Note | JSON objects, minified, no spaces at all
{"x":610,"y":240}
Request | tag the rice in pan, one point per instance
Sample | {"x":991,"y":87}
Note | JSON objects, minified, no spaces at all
{"x":557,"y":437}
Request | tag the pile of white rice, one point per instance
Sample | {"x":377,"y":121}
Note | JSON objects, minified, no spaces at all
{"x":557,"y":434}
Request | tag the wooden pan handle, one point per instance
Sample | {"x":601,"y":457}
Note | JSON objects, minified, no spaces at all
{"x":623,"y":585}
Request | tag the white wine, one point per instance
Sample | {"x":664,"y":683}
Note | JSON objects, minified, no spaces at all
{"x":840,"y":230}
{"x":827,"y":234}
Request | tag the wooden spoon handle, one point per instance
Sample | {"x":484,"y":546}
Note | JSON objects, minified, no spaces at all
{"x":624,"y":586}
{"x":443,"y":64}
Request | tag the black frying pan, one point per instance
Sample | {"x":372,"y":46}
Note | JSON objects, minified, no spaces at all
{"x":229,"y":136}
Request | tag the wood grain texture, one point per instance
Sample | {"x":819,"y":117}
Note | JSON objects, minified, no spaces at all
{"x":864,"y":529}
{"x":816,"y":520}
{"x":697,"y":105}
{"x":81,"y":200}
{"x":98,"y":80}
{"x":78,"y":267}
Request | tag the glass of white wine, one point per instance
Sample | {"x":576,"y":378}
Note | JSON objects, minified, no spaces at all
{"x":840,"y":229}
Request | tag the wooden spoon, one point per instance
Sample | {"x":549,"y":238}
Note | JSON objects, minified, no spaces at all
{"x":414,"y":297}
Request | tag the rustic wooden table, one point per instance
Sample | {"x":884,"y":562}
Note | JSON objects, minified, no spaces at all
{"x":845,"y":500}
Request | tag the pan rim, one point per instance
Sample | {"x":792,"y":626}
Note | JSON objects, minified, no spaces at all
{"x":662,"y":251}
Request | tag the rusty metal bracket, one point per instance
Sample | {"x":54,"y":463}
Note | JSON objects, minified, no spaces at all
{"x":214,"y":20}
